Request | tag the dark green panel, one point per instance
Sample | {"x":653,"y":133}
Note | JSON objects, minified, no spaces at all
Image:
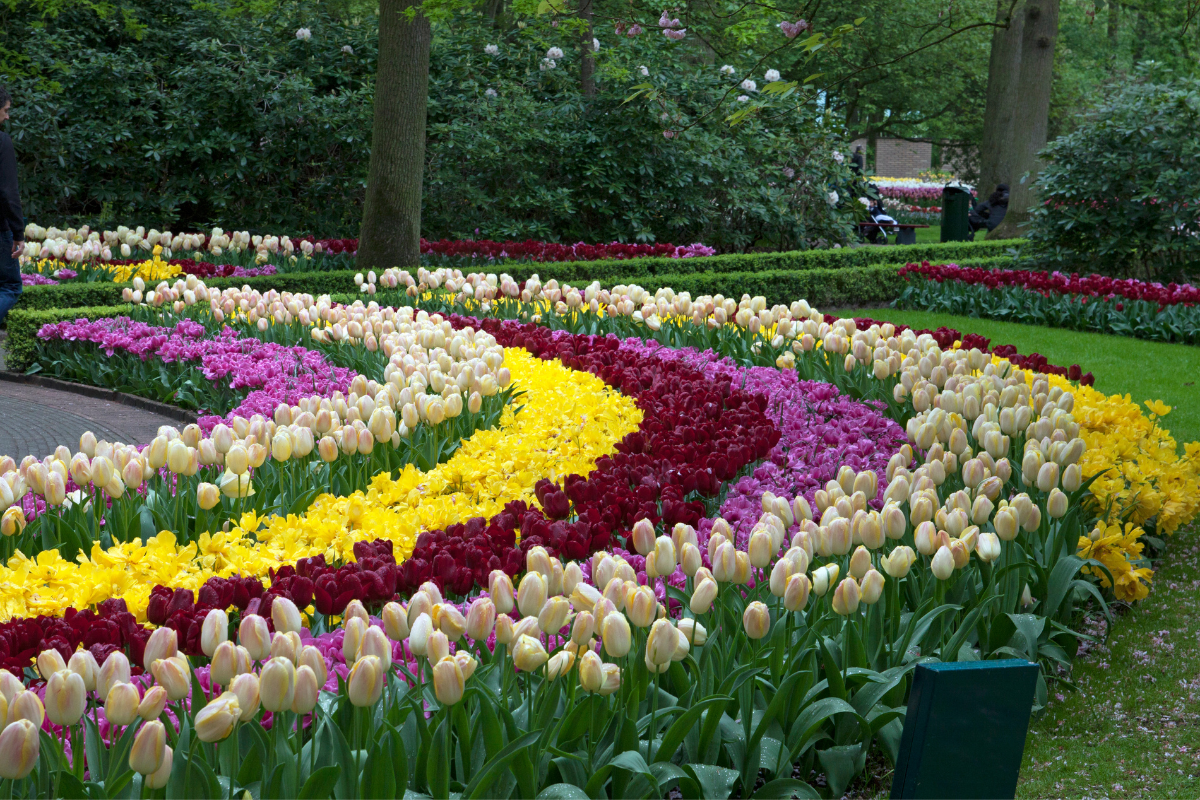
{"x":965,"y":730}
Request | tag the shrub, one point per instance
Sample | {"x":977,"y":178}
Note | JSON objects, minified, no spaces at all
{"x":1121,"y":194}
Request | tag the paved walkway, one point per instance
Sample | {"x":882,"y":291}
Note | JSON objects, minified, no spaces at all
{"x":34,"y":420}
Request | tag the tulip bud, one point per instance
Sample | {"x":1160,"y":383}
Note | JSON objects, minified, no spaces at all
{"x":531,"y":595}
{"x":559,"y":664}
{"x":642,"y":606}
{"x":12,"y":522}
{"x":307,"y":692}
{"x":286,"y":616}
{"x":846,"y":597}
{"x":173,"y":674}
{"x":795,"y":594}
{"x":215,"y":721}
{"x":942,"y":565}
{"x":149,"y":747}
{"x":528,"y":654}
{"x":988,"y":547}
{"x":1047,"y":476}
{"x":591,"y":672}
{"x":643,"y":536}
{"x":756,"y":620}
{"x":246,"y":688}
{"x":860,"y":562}
{"x":872,"y":587}
{"x":898,"y":562}
{"x":50,"y":662}
{"x":214,"y":631}
{"x":277,"y":685}
{"x":760,"y":549}
{"x":224,"y":667}
{"x":153,"y":703}
{"x":311,"y":657}
{"x":664,"y":555}
{"x":121,"y":704}
{"x":66,"y":698}
{"x":448,"y":681}
{"x":254,"y":636}
{"x":703,"y":596}
{"x":163,"y":643}
{"x":616,"y":634}
{"x":1056,"y":504}
{"x":366,"y":681}
{"x":661,"y":643}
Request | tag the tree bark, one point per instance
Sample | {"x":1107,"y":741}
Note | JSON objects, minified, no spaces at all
{"x":1032,"y":115}
{"x":391,"y":226}
{"x":587,"y":61}
{"x":1004,"y":66}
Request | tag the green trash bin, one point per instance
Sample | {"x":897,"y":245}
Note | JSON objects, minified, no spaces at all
{"x":956,"y":204}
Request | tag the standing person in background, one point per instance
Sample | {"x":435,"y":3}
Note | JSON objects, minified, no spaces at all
{"x":12,"y":221}
{"x":990,"y":213}
{"x":858,"y":161}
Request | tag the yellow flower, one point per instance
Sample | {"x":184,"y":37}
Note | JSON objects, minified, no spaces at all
{"x":1120,"y":552}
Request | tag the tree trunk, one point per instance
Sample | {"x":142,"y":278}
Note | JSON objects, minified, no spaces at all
{"x":1004,"y":66}
{"x":1032,"y":116}
{"x":391,"y":226}
{"x":587,"y":61}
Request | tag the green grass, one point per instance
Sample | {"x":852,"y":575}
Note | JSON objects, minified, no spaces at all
{"x":1144,"y":370}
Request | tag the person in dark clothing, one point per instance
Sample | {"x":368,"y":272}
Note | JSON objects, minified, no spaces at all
{"x":12,"y":221}
{"x":990,"y":213}
{"x":858,"y":162}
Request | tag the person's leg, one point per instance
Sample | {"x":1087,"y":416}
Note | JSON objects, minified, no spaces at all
{"x":10,"y":275}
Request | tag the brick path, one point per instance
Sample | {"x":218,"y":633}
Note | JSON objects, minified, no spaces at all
{"x":34,"y":420}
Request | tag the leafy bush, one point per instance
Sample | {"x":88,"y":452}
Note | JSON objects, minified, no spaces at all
{"x":1121,"y":194}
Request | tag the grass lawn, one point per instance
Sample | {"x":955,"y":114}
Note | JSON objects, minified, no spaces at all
{"x":1133,"y":727}
{"x":1145,"y":370}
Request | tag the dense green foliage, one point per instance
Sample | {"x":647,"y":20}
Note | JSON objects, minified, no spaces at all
{"x":1120,"y":194}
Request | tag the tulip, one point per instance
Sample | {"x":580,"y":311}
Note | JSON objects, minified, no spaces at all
{"x":780,"y":574}
{"x":572,"y":578}
{"x":173,"y":674}
{"x":760,"y":549}
{"x":20,"y":748}
{"x":160,"y":777}
{"x":528,"y":654}
{"x":756,"y":620}
{"x":690,"y":559}
{"x":925,"y":537}
{"x":500,"y":590}
{"x":559,"y":664}
{"x":643,"y":536}
{"x":661,"y":643}
{"x":285,"y":615}
{"x":237,"y":460}
{"x":12,"y":522}
{"x":664,"y":555}
{"x":591,"y":672}
{"x":1072,"y":478}
{"x":942,"y":565}
{"x":148,"y":750}
{"x":216,"y":720}
{"x":307,"y":691}
{"x":311,"y":657}
{"x":960,"y":553}
{"x":703,"y":596}
{"x":224,"y":666}
{"x":66,"y":698}
{"x":642,"y":606}
{"x":418,"y":638}
{"x":254,"y":635}
{"x":872,"y":587}
{"x":538,"y":560}
{"x":153,"y":703}
{"x":981,"y":510}
{"x":846,"y":597}
{"x":121,"y":704}
{"x":988,"y":547}
{"x":163,"y":643}
{"x":375,"y":643}
{"x":215,"y":631}
{"x":248,"y":689}
{"x":366,"y":681}
{"x":553,"y":614}
{"x":741,"y":569}
{"x":898,"y":562}
{"x":395,"y":621}
{"x":114,"y":670}
{"x":616,"y":634}
{"x":532,"y":593}
{"x":277,"y":684}
{"x":352,"y":640}
{"x":450,"y":621}
{"x":10,"y":687}
{"x":1006,"y":523}
{"x":50,"y":662}
{"x":795,"y":594}
{"x":285,"y":645}
{"x":860,"y":562}
{"x":1047,"y":476}
{"x":1056,"y":504}
{"x":612,"y":680}
{"x":448,"y":681}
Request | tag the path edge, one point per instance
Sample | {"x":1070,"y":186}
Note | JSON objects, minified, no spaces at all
{"x":95,"y":392}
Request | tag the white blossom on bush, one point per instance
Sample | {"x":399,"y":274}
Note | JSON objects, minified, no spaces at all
{"x":728,"y":69}
{"x":833,"y":198}
{"x":492,"y":50}
{"x":645,"y":72}
{"x":491,"y":92}
{"x":303,"y":34}
{"x":595,"y":45}
{"x":838,"y":157}
{"x":749,"y":85}
{"x":789,"y":173}
{"x":547,"y":63}
{"x":772,"y":75}
{"x":743,"y":98}
{"x":665,"y":21}
{"x":554,"y":53}
{"x":347,"y":49}
{"x":675,"y":36}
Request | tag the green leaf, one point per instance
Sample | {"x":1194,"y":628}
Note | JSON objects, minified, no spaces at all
{"x":716,"y":783}
{"x":320,"y":784}
{"x":479,"y":785}
{"x":785,"y":788}
{"x":678,"y":731}
{"x":562,"y":791}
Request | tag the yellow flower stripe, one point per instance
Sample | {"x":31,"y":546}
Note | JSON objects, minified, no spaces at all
{"x":563,"y":423}
{"x":1117,"y":550}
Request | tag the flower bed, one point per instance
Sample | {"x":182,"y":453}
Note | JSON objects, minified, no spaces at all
{"x":1127,"y":307}
{"x":764,"y":515}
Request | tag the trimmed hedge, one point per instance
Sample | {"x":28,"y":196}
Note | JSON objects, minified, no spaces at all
{"x":636,"y":270}
{"x":24,"y":323}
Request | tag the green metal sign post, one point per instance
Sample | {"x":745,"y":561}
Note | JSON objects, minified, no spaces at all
{"x":965,"y":730}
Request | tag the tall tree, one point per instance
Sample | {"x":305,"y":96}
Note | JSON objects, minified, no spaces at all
{"x":1030,"y":120}
{"x":391,"y":226}
{"x":1004,"y":67}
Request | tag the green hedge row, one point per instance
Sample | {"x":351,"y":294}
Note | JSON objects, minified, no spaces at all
{"x":635,"y":270}
{"x":24,"y":323}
